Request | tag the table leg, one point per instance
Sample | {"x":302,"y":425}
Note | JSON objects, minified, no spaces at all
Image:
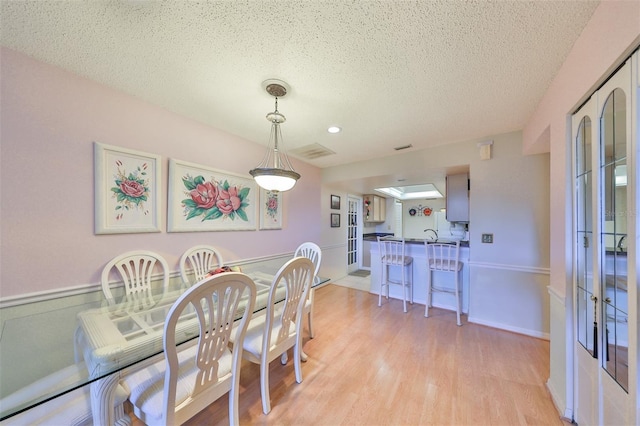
{"x":102,"y":402}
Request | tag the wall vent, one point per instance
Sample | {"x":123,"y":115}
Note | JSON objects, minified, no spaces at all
{"x":400,"y":148}
{"x":311,"y":152}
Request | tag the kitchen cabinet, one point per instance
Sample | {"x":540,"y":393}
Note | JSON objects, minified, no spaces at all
{"x":458,"y":197}
{"x":374,"y":208}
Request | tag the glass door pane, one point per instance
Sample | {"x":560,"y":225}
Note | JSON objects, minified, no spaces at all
{"x":584,"y":238}
{"x":613,"y":169}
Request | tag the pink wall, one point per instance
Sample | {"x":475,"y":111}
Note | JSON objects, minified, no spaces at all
{"x":49,"y":121}
{"x":607,"y":40}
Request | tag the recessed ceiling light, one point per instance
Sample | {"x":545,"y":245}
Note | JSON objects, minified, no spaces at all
{"x":334,"y":129}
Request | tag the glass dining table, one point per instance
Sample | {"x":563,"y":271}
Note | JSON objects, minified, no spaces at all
{"x":79,"y":340}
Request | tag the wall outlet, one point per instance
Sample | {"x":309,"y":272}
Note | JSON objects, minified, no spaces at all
{"x":487,"y":238}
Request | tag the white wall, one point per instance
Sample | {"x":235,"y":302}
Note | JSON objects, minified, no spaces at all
{"x":50,"y":119}
{"x":414,"y":226}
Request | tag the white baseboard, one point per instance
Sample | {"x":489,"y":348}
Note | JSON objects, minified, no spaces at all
{"x":567,"y":413}
{"x":526,"y":332}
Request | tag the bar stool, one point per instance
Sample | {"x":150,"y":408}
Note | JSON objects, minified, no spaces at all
{"x":392,"y":254}
{"x":443,"y":257}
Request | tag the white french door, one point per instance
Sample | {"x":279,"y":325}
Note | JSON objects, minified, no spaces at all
{"x":605,"y":150}
{"x":354,"y":234}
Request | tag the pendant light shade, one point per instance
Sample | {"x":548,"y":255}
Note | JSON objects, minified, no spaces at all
{"x":275,"y":172}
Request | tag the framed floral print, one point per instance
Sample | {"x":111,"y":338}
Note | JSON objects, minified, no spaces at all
{"x":206,"y":199}
{"x":127,"y":190}
{"x":270,"y":209}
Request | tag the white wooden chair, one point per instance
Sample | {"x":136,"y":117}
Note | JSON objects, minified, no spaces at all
{"x":443,"y":257}
{"x":392,"y":254}
{"x":136,"y":269}
{"x":190,"y":378}
{"x":198,"y":261}
{"x":312,"y":252}
{"x":271,"y":335}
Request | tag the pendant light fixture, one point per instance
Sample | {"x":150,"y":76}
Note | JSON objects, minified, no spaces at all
{"x":275,"y":172}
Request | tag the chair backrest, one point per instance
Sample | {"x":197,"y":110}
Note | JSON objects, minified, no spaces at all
{"x":136,"y":270}
{"x":391,"y":250}
{"x":443,"y":256}
{"x":312,"y":252}
{"x":217,"y":302}
{"x":297,"y":276}
{"x":199,"y":260}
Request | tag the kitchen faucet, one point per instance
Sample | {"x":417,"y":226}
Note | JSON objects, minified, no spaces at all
{"x":434,"y":233}
{"x":620,"y":243}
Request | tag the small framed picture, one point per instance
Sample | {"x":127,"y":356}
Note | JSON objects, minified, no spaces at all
{"x":270,"y":209}
{"x":335,"y":202}
{"x":335,"y":220}
{"x":127,"y":190}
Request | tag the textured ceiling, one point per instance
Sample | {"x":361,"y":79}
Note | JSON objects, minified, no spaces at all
{"x":390,"y":73}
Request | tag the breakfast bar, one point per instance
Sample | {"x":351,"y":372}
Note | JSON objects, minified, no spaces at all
{"x":416,"y":249}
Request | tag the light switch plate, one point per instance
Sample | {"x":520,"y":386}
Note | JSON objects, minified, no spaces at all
{"x":487,"y":238}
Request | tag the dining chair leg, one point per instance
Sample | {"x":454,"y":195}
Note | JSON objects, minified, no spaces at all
{"x":310,"y":321}
{"x":264,"y":386}
{"x":296,"y":360}
{"x":234,"y":416}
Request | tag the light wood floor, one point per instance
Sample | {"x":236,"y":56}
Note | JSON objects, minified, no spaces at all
{"x":371,"y":365}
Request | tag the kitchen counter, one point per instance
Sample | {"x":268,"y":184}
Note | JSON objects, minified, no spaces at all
{"x":374,"y":237}
{"x":421,"y":241}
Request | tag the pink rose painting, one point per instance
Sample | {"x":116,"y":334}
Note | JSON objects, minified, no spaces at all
{"x":270,"y":210}
{"x":272,"y":204}
{"x":131,"y":189}
{"x":211,"y":200}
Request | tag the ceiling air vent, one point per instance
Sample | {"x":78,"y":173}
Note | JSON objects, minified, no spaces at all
{"x":311,"y":152}
{"x":400,"y":148}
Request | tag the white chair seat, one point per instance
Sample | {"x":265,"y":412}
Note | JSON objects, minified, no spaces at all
{"x":147,"y":385}
{"x":255,"y":335}
{"x":440,"y":265}
{"x":405,"y":260}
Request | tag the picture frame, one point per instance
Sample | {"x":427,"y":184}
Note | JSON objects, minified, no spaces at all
{"x":335,"y":220}
{"x":127,"y":190}
{"x":270,"y":209}
{"x":335,"y":202}
{"x":202,"y":198}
